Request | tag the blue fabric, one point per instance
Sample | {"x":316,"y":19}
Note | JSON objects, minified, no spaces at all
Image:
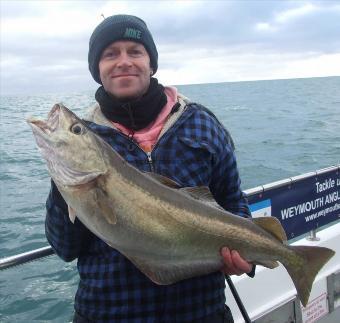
{"x":195,"y":151}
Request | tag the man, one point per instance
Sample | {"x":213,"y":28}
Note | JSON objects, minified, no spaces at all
{"x":155,"y":129}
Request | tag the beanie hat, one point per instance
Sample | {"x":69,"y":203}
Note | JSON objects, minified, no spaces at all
{"x":120,"y":27}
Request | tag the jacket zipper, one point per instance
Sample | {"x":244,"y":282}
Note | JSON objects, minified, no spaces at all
{"x":132,"y":142}
{"x":150,"y":161}
{"x":148,"y":154}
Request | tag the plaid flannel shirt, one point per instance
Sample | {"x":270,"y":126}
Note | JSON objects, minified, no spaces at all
{"x":196,"y":151}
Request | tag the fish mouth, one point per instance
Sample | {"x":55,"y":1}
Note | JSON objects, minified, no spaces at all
{"x":48,"y":126}
{"x":48,"y":142}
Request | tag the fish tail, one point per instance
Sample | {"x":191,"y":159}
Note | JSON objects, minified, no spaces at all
{"x":304,"y":266}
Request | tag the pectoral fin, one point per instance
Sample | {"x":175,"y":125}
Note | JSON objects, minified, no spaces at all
{"x":105,"y":206}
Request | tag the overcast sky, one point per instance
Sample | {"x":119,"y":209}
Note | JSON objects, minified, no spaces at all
{"x":44,"y":44}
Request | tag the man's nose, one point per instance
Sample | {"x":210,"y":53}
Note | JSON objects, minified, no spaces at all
{"x":124,"y":60}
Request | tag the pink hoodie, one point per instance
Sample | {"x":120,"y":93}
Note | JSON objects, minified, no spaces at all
{"x":147,"y":137}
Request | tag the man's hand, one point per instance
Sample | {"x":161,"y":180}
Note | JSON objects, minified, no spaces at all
{"x":233,"y":263}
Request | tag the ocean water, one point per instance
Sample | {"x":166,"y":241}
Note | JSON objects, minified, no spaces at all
{"x":281,"y":128}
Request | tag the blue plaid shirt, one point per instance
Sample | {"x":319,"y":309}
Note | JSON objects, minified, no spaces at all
{"x":196,"y":151}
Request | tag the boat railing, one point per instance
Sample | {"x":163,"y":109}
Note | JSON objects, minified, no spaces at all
{"x":22,"y":258}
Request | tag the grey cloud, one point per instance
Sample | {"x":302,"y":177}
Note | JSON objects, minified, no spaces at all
{"x":226,"y":21}
{"x":316,"y":31}
{"x":26,"y":79}
{"x":47,"y":50}
{"x":35,"y":8}
{"x":234,"y":23}
{"x":200,"y":30}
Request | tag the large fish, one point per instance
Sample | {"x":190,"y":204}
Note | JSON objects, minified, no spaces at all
{"x":169,"y":233}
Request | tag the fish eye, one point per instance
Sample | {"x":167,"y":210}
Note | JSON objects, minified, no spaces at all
{"x":77,"y":129}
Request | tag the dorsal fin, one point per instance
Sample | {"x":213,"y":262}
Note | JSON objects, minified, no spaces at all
{"x":203,"y":194}
{"x":164,"y":180}
{"x":199,"y":193}
{"x":273,"y":226}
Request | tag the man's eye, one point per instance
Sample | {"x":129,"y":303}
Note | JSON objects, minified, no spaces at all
{"x":136,"y":52}
{"x":108,"y":54}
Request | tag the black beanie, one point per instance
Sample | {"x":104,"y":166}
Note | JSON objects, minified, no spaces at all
{"x":120,"y":27}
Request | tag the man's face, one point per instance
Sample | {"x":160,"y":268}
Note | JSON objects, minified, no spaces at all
{"x":124,"y":69}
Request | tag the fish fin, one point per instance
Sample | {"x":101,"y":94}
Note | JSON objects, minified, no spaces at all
{"x":272,"y":225}
{"x":71,"y":214}
{"x":305,"y":266}
{"x":164,"y":180}
{"x":105,"y":207}
{"x":167,"y":272}
{"x":199,"y":193}
{"x":203,"y":194}
{"x":266,"y":263}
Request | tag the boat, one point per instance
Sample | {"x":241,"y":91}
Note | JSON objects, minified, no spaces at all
{"x":308,"y":207}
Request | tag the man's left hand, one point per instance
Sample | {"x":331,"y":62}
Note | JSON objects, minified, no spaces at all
{"x":233,"y":263}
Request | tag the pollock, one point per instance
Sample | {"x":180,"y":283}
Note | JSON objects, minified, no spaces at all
{"x":169,"y":232}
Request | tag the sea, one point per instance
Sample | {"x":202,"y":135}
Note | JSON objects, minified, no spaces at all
{"x":281,"y":128}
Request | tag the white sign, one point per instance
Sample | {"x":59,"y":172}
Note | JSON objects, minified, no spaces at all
{"x":315,"y":309}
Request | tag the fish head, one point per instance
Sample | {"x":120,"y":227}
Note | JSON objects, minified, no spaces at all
{"x":74,"y":154}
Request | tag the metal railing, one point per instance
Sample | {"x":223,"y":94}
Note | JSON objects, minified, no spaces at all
{"x":25,"y":257}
